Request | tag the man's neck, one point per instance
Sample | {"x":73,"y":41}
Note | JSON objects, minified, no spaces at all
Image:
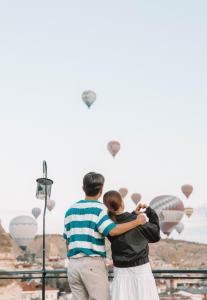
{"x":90,"y":198}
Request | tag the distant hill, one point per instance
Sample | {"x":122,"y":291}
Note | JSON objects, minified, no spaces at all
{"x":8,"y":253}
{"x":7,"y":244}
{"x":179,"y":254}
{"x":55,"y":246}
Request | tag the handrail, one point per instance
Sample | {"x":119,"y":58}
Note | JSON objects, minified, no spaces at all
{"x":184,"y":271}
{"x":159,"y":274}
{"x":60,"y":271}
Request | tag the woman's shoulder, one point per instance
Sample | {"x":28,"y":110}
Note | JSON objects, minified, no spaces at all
{"x":125,"y":217}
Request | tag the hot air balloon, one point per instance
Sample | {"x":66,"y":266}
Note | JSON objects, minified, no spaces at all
{"x":123,"y":192}
{"x":23,"y":230}
{"x":179,"y":228}
{"x":50,"y":204}
{"x":89,"y":97}
{"x":170,"y":210}
{"x":188,"y":211}
{"x":114,"y":147}
{"x":136,"y":197}
{"x":36,"y":211}
{"x":171,"y":215}
{"x":187,"y":190}
{"x":166,"y":228}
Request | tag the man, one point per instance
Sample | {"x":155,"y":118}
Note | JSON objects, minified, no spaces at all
{"x":86,"y":226}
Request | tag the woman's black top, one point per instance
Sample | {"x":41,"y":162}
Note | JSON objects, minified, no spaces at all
{"x":131,"y":248}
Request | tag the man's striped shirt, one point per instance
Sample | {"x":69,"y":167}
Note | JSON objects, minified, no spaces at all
{"x":86,"y":226}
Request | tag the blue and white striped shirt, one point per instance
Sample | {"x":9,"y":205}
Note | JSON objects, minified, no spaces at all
{"x":86,"y":226}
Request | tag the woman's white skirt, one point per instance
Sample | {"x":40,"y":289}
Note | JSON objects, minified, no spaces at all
{"x":136,"y":283}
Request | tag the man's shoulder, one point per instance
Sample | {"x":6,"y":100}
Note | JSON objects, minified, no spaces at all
{"x":85,"y":206}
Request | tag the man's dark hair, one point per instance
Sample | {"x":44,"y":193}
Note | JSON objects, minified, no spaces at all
{"x":93,"y":183}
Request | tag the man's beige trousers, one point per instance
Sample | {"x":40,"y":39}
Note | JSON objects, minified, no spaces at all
{"x":88,"y":278}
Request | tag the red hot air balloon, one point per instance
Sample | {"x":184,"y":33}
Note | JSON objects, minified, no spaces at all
{"x":123,"y":192}
{"x":187,"y":190}
{"x":136,"y":197}
{"x":114,"y":147}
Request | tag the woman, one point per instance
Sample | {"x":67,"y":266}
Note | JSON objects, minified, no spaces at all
{"x":133,"y":278}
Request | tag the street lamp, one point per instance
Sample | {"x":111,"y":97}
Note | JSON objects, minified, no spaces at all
{"x":43,"y":192}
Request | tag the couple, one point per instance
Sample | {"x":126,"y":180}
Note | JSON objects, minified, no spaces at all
{"x":87,"y":223}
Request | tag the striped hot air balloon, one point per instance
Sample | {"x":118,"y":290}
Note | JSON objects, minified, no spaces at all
{"x":23,"y":230}
{"x":89,"y":97}
{"x":36,"y":211}
{"x":170,"y":210}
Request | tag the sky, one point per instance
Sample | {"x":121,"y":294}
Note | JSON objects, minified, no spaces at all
{"x":146,"y":60}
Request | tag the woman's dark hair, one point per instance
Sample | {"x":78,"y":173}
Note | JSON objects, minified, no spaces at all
{"x":93,"y":184}
{"x":113,"y":201}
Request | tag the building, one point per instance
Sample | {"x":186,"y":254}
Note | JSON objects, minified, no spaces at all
{"x":33,"y":290}
{"x":7,"y":260}
{"x":10,"y":290}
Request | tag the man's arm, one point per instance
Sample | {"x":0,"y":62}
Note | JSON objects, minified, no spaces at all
{"x":66,"y":240}
{"x":122,"y":228}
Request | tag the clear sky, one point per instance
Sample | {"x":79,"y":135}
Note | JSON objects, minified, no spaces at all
{"x":147,"y":62}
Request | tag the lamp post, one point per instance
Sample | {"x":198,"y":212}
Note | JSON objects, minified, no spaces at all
{"x":43,"y":192}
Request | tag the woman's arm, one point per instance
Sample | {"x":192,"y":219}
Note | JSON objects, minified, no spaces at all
{"x":150,"y":230}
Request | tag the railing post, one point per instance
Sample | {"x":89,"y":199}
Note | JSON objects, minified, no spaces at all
{"x":43,"y":192}
{"x":43,"y":248}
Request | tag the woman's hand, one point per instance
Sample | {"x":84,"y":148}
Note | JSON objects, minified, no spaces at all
{"x":139,"y":207}
{"x":142,"y":218}
{"x":109,"y":263}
